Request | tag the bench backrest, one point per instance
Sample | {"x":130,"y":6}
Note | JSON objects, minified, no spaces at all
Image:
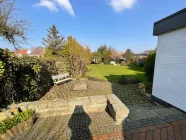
{"x":60,"y":76}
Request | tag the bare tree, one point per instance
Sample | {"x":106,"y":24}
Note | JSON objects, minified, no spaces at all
{"x":113,"y":54}
{"x":12,"y":29}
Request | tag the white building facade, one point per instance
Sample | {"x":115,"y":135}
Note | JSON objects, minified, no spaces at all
{"x":169,"y":83}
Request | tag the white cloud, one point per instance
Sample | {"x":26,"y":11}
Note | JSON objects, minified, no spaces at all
{"x":51,"y":5}
{"x":120,"y":5}
{"x":65,"y":4}
{"x":48,"y":4}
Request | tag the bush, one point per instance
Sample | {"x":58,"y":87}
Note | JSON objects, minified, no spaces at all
{"x":77,"y":57}
{"x":23,"y":79}
{"x":149,"y":65}
{"x":123,"y":63}
{"x":18,"y":118}
{"x":139,"y":61}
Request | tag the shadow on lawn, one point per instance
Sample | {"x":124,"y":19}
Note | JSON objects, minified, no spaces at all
{"x":135,"y":68}
{"x":126,"y":79}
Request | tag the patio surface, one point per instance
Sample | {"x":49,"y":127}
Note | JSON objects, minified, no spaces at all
{"x":99,"y":126}
{"x":143,"y":112}
{"x":146,"y":120}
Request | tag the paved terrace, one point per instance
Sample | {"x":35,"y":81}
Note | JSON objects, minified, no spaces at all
{"x":147,"y":120}
{"x":99,"y":126}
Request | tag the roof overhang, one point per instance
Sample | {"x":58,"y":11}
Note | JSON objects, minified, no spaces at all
{"x":172,"y":22}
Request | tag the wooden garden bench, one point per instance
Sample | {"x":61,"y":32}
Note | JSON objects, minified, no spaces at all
{"x":61,"y":78}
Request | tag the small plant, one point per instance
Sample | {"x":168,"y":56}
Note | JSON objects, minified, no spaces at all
{"x":145,"y":87}
{"x":142,"y":87}
{"x":18,"y":118}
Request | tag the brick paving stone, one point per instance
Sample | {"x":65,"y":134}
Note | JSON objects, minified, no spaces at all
{"x":183,"y":131}
{"x":157,"y":135}
{"x":164,"y":133}
{"x":163,"y":125}
{"x":171,"y":137}
{"x":120,"y":134}
{"x":128,"y":137}
{"x":135,"y":137}
{"x":103,"y":137}
{"x":149,"y":137}
{"x":150,"y":133}
{"x":95,"y":138}
{"x":134,"y":131}
{"x":170,"y":131}
{"x":126,"y":133}
{"x":151,"y":127}
{"x":112,"y":135}
{"x":143,"y":135}
{"x":140,"y":138}
{"x":178,"y":122}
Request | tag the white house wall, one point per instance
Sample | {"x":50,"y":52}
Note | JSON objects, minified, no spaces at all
{"x":170,"y":69}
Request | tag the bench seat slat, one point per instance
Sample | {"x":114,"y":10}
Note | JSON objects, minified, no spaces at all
{"x":61,"y":78}
{"x":61,"y":81}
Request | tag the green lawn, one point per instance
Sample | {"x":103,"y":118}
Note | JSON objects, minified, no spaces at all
{"x":114,"y":73}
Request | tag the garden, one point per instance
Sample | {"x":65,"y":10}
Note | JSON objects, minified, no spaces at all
{"x":28,"y":78}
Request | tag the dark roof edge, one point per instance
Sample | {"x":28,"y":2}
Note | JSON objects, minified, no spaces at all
{"x":177,"y":13}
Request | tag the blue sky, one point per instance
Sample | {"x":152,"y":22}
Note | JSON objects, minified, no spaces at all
{"x":121,"y":24}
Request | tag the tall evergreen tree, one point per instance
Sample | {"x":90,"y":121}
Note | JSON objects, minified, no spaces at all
{"x":129,"y":55}
{"x":54,"y":41}
{"x":104,"y":54}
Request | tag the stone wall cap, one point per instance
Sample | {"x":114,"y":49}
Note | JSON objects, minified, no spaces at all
{"x":98,"y":99}
{"x":113,"y":99}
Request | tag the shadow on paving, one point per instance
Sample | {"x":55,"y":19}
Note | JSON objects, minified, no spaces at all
{"x":76,"y":124}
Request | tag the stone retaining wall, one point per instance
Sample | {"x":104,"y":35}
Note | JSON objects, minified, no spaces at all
{"x":99,"y":103}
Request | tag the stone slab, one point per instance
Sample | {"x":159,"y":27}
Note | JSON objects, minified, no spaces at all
{"x":80,"y":87}
{"x":143,"y":115}
{"x":166,"y":112}
{"x":98,"y":99}
{"x":113,"y":99}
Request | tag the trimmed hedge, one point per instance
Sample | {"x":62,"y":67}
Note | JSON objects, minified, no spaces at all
{"x":149,"y":65}
{"x":18,"y":118}
{"x":23,"y":79}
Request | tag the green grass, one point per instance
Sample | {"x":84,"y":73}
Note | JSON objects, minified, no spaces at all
{"x":114,"y":73}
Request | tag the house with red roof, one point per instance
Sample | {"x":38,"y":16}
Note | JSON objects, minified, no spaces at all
{"x":22,"y":52}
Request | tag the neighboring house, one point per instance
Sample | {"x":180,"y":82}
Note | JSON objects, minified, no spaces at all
{"x":121,"y":56}
{"x":143,"y":54}
{"x":141,"y":57}
{"x":22,"y":52}
{"x":38,"y":52}
{"x":170,"y":69}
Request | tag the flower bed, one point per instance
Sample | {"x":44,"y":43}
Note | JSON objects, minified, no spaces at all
{"x":18,"y":118}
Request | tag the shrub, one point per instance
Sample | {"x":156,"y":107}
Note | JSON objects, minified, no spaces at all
{"x":23,"y":79}
{"x":123,"y":63}
{"x":33,"y":78}
{"x":139,"y":61}
{"x":18,"y":118}
{"x":149,"y":65}
{"x":77,"y":57}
